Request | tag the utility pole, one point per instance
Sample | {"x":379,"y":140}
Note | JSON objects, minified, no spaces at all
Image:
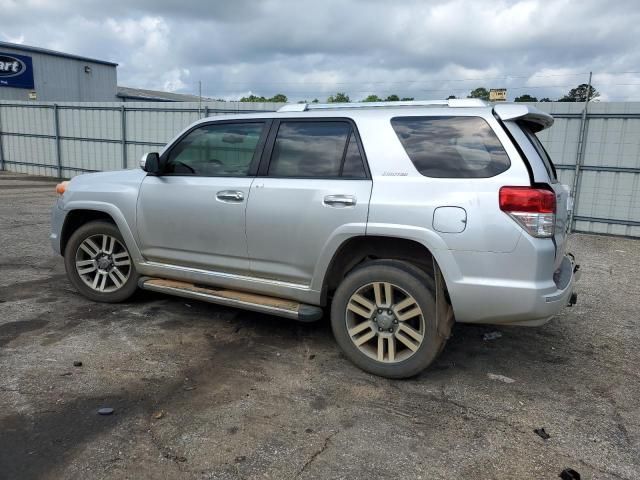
{"x":580,"y":154}
{"x":199,"y":98}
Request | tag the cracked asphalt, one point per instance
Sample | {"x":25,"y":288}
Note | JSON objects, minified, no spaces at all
{"x":201,"y":391}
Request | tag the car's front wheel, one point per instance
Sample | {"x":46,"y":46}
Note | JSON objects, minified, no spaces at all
{"x":383,"y":316}
{"x":98,"y":263}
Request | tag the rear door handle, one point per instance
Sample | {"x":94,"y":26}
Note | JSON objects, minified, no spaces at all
{"x":230,"y":196}
{"x":340,"y":200}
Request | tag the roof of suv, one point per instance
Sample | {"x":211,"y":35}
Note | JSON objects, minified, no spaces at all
{"x":462,"y":107}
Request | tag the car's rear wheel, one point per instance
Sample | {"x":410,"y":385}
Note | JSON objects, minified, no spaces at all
{"x":99,"y":264}
{"x":383,"y":316}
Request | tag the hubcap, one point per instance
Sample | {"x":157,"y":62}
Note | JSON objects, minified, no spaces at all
{"x":385,"y":322}
{"x":103,"y":263}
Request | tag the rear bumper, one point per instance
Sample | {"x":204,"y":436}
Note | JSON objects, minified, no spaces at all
{"x":511,"y":302}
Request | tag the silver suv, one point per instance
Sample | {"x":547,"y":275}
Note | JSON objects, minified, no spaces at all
{"x":398,"y":218}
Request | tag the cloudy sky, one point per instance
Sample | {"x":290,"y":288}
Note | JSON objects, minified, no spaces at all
{"x":311,"y":49}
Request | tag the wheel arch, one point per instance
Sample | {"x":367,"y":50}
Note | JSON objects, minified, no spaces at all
{"x":82,"y":213}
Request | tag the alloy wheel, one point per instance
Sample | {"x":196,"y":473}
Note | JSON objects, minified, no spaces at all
{"x":103,"y":263}
{"x":385,"y":322}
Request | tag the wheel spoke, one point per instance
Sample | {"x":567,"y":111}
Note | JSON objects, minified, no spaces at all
{"x":409,"y":343}
{"x":96,"y":279}
{"x":121,"y":276}
{"x":355,"y":307}
{"x":90,"y":248}
{"x":383,"y":294}
{"x":121,"y":259}
{"x":380,"y":348}
{"x":116,"y":281}
{"x":85,"y":271}
{"x":414,"y":312}
{"x":104,"y":282}
{"x":111,"y":243}
{"x":359,"y":328}
{"x":392,"y":349}
{"x":365,"y":338}
{"x":417,"y":336}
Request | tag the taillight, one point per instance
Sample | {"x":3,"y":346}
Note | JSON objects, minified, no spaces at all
{"x":534,"y":209}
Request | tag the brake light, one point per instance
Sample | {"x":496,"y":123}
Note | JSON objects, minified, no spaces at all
{"x":534,"y":209}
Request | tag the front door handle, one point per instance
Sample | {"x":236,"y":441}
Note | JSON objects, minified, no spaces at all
{"x":340,"y":200}
{"x":230,"y":196}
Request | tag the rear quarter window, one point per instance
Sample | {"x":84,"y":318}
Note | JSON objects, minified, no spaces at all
{"x":451,"y":147}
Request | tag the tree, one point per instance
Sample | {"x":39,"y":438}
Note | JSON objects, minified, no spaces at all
{"x":546,"y":99}
{"x":315,"y":100}
{"x":525,"y":98}
{"x":279,"y":98}
{"x":339,"y":97}
{"x":451,"y":96}
{"x":408,"y":99}
{"x":479,"y":92}
{"x":579,"y":94}
{"x":372,"y":98}
{"x":392,"y":98}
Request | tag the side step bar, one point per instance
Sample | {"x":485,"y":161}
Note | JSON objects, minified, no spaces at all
{"x":232,"y":298}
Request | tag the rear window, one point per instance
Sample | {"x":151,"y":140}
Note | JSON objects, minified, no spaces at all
{"x":451,"y":147}
{"x":537,"y":145}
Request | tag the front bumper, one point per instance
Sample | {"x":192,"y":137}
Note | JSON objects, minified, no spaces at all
{"x":58,"y":215}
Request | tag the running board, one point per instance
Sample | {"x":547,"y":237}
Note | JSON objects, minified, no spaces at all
{"x":233,"y":298}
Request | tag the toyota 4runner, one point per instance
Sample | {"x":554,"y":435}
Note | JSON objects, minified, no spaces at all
{"x":398,"y":218}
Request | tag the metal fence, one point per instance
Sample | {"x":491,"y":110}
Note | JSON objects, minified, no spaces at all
{"x":598,"y":154}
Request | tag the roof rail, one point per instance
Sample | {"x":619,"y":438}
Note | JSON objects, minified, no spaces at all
{"x":454,"y":102}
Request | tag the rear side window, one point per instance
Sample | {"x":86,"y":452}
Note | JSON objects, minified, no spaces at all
{"x":542,"y":152}
{"x":316,"y":150}
{"x":451,"y":147}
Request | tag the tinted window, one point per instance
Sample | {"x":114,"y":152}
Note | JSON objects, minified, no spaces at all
{"x":451,"y":147}
{"x":537,"y":144}
{"x":353,"y":165}
{"x":224,"y":149}
{"x":309,"y":149}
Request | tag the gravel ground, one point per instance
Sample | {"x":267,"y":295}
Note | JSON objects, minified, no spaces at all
{"x":202,"y":391}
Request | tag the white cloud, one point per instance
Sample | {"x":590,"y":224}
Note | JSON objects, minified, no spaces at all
{"x":310,"y":49}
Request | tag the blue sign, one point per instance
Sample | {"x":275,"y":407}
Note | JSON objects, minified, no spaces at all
{"x":16,"y":71}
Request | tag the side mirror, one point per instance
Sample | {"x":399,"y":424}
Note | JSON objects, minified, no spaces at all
{"x":150,"y":163}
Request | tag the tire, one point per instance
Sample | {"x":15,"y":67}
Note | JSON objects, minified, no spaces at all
{"x":352,"y":319}
{"x":86,"y":258}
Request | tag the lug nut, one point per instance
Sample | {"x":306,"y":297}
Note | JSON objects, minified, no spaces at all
{"x":390,"y":312}
{"x":380,"y":329}
{"x":391,"y":330}
{"x":379,"y":310}
{"x":395,"y":322}
{"x":375,"y":319}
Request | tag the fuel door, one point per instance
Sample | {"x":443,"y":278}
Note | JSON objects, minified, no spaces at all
{"x":449,"y":219}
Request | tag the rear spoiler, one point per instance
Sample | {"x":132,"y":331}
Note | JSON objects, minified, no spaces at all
{"x":514,"y":111}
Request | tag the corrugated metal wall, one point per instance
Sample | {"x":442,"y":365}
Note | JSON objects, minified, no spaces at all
{"x":608,"y":194}
{"x":90,"y":136}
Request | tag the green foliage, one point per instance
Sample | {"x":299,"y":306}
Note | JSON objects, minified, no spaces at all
{"x":546,"y":99}
{"x":525,"y":98}
{"x":277,"y":98}
{"x":372,"y":98}
{"x":579,"y":94}
{"x":392,"y":98}
{"x":339,"y":97}
{"x":451,"y":96}
{"x":315,"y":100}
{"x":407,"y":99}
{"x":479,"y":92}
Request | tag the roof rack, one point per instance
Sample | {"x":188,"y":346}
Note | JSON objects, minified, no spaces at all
{"x":454,"y":102}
